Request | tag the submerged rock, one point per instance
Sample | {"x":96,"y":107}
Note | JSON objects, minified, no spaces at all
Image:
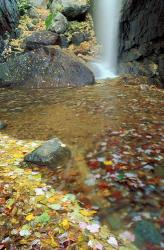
{"x":52,"y":153}
{"x":46,"y":67}
{"x":40,"y":39}
{"x":2,"y":125}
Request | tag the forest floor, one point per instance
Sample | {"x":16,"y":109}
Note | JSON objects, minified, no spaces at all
{"x":110,"y":195}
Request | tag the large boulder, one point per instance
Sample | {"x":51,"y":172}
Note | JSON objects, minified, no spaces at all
{"x":52,"y":153}
{"x":40,"y":39}
{"x":9,"y":15}
{"x":142,"y":38}
{"x":72,"y":9}
{"x":46,"y":67}
{"x":39,"y":3}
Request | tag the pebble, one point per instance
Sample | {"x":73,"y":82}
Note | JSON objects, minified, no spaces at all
{"x":3,"y":125}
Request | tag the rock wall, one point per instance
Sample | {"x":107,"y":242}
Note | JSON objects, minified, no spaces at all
{"x":9,"y":15}
{"x":141,"y":48}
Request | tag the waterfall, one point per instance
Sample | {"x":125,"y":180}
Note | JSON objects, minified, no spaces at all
{"x":107,"y":18}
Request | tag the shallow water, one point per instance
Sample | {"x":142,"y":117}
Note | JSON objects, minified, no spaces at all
{"x":116,"y":135}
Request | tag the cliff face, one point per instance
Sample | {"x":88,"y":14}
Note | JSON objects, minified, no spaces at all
{"x":9,"y":15}
{"x":142,"y":38}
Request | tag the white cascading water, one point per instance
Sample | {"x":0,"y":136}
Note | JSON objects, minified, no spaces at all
{"x":107,"y":27}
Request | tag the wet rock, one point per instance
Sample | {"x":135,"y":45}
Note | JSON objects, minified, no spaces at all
{"x":3,"y":125}
{"x":2,"y":45}
{"x":146,"y":231}
{"x":59,"y":24}
{"x":17,"y":33}
{"x":46,"y":67}
{"x":52,"y":153}
{"x":39,"y":3}
{"x":40,"y":39}
{"x":32,"y":12}
{"x":9,"y":15}
{"x":142,"y":38}
{"x":35,"y":21}
{"x":161,"y":67}
{"x":72,"y":9}
{"x":79,"y":37}
{"x":63,"y":41}
{"x":30,"y":26}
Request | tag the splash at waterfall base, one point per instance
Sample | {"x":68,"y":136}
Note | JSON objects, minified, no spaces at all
{"x":101,"y":70}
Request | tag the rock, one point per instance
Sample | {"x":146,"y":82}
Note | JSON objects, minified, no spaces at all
{"x":40,"y":39}
{"x":39,"y":3}
{"x":2,"y":45}
{"x":46,"y":67}
{"x":52,"y":153}
{"x":146,"y":231}
{"x":63,"y":41}
{"x":17,"y":33}
{"x":2,"y":125}
{"x":35,"y":21}
{"x":59,"y":24}
{"x":161,"y":67}
{"x":142,"y":37}
{"x":79,"y":37}
{"x":72,"y":9}
{"x":32,"y":12}
{"x":30,"y":26}
{"x":9,"y":15}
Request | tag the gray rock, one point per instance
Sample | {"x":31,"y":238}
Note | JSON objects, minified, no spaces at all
{"x":39,"y":3}
{"x":79,"y":37}
{"x":30,"y":26}
{"x":2,"y":45}
{"x":142,"y":37}
{"x":63,"y":41}
{"x":9,"y":15}
{"x":32,"y":12}
{"x":72,"y":9}
{"x":40,"y":39}
{"x":59,"y":24}
{"x":46,"y":67}
{"x":35,"y":21}
{"x":3,"y":125}
{"x":52,"y":153}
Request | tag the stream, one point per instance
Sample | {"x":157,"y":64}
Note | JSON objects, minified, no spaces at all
{"x":115,"y":132}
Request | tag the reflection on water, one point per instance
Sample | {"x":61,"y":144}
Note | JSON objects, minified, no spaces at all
{"x":115,"y":133}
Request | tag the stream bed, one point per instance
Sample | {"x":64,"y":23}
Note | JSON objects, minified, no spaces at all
{"x":116,"y":135}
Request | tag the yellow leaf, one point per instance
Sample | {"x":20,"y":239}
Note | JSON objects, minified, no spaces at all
{"x":53,"y":242}
{"x":108,"y":163}
{"x":52,"y":199}
{"x":65,"y":224}
{"x":14,"y":221}
{"x":30,"y":217}
{"x":87,"y":212}
{"x":50,"y":242}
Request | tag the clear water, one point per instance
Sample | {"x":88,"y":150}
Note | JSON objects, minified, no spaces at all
{"x":107,"y":26}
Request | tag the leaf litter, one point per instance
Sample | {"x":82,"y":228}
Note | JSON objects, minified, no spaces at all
{"x":33,"y":215}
